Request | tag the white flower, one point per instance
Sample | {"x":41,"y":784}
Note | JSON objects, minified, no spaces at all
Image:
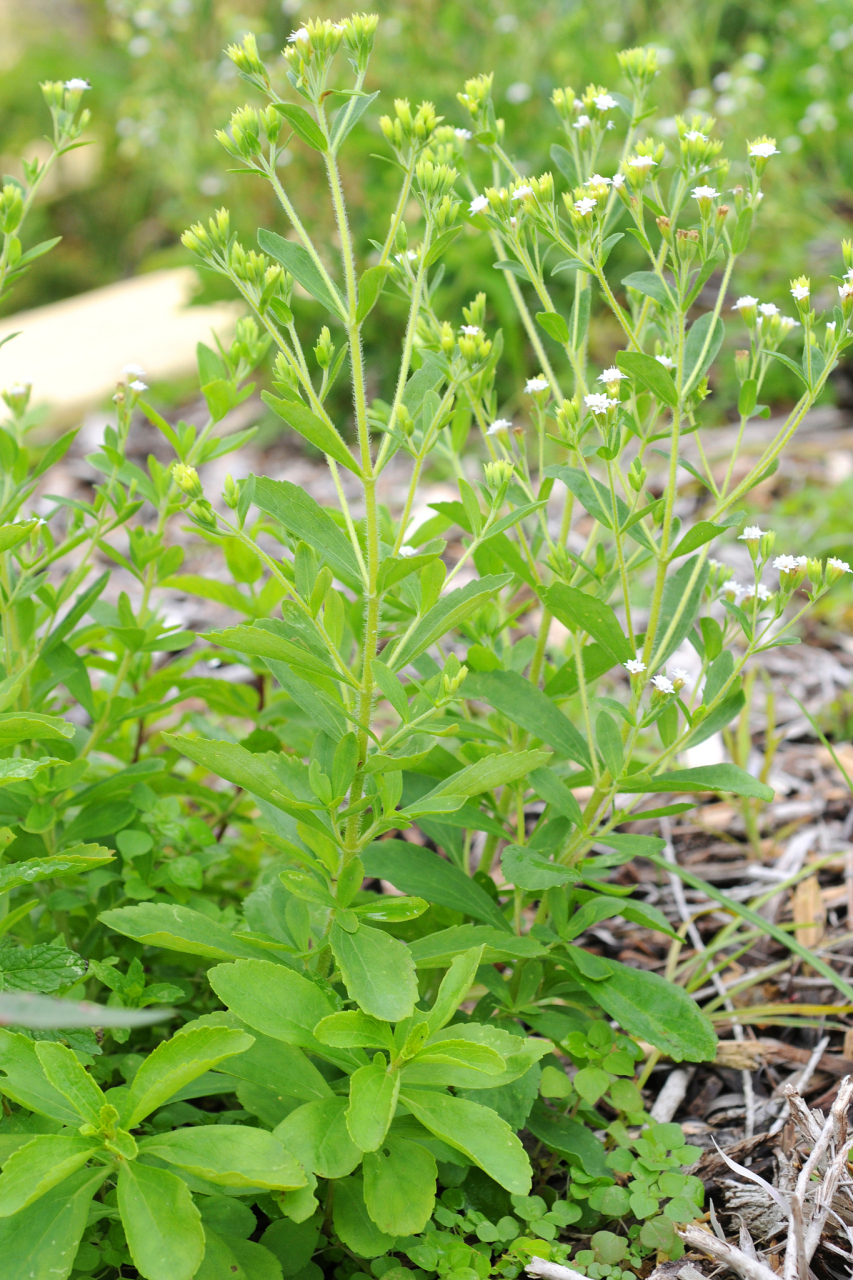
{"x":604,"y":102}
{"x":786,"y":564}
{"x":464,"y":135}
{"x":533,"y":385}
{"x":470,"y":329}
{"x":582,"y":122}
{"x":610,"y":125}
{"x":137,"y":385}
{"x":19,"y":389}
{"x":135,"y":370}
{"x":634,"y":665}
{"x":693,"y":135}
{"x":746,"y":301}
{"x":663,"y":684}
{"x":478,"y":204}
{"x":666,"y":361}
{"x":760,"y":591}
{"x":799,"y":291}
{"x":786,"y":324}
{"x":586,"y":205}
{"x":830,"y":328}
{"x":521,"y":192}
{"x":301,"y":34}
{"x":705,"y":193}
{"x":680,"y":674}
{"x":611,"y":375}
{"x":599,"y":403}
{"x":499,"y":424}
{"x":77,"y":85}
{"x":751,"y":531}
{"x":763,"y":149}
{"x":769,"y":309}
{"x":407,"y":551}
{"x":734,"y":588}
{"x":598,"y":181}
{"x":642,"y":162}
{"x":846,"y":290}
{"x":840,"y":566}
{"x":618,"y":180}
{"x":513,"y":222}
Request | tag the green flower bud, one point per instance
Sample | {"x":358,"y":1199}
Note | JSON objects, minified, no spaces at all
{"x":231,"y":493}
{"x":186,"y":478}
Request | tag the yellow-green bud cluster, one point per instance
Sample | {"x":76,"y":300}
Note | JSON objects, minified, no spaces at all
{"x":698,"y":149}
{"x":639,"y":65}
{"x":186,"y":478}
{"x":284,"y":377}
{"x":247,"y":60}
{"x":204,"y":241}
{"x":324,"y":351}
{"x":477,"y":97}
{"x":409,"y":129}
{"x":435,"y":181}
{"x":359,"y":35}
{"x":11,"y":207}
{"x":498,"y":474}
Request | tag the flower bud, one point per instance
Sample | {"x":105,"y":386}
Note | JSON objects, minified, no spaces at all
{"x":498,"y":474}
{"x":753,"y":537}
{"x":359,"y":35}
{"x":814,"y":572}
{"x":637,"y":476}
{"x":325,"y":349}
{"x":203,"y":512}
{"x":835,"y":569}
{"x":639,"y":65}
{"x":231,"y":493}
{"x":742,"y":363}
{"x":17,"y":397}
{"x":186,"y":478}
{"x":246,"y":58}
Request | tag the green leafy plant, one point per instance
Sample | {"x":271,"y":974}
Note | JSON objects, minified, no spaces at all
{"x":360,"y":1095}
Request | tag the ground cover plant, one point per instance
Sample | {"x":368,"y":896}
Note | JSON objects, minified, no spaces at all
{"x":389,"y":1054}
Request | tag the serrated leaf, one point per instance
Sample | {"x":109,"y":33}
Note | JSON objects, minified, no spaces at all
{"x":378,"y":971}
{"x":651,"y":374}
{"x":302,"y":123}
{"x":305,"y":271}
{"x":318,"y":432}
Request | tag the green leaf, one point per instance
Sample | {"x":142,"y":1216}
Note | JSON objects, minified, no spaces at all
{"x":530,"y":869}
{"x":413,"y":869}
{"x":41,"y":1242}
{"x":454,"y":987}
{"x":570,"y":1139}
{"x":305,"y":271}
{"x":490,"y":772}
{"x":477,"y":1132}
{"x":437,"y":950}
{"x":11,"y":535}
{"x":370,"y":286}
{"x":43,"y":967}
{"x":272,"y":999}
{"x":39,"y":1165}
{"x":354,"y":1030}
{"x":647,"y":1006}
{"x":743,"y":226}
{"x":748,"y":397}
{"x":177,"y":928}
{"x":446,"y":614}
{"x":452,"y":1062}
{"x":293,"y":1243}
{"x":280,"y":1067}
{"x":349,"y":115}
{"x":317,"y":1136}
{"x":318,"y":432}
{"x":555,"y":792}
{"x":378,"y":971}
{"x":789,"y":364}
{"x":302,"y":123}
{"x":373,"y":1094}
{"x":673,"y":603}
{"x":262,"y":642}
{"x":708,"y":777}
{"x":227,"y":1257}
{"x":604,"y":908}
{"x":528,"y":707}
{"x":63,"y":1070}
{"x":554,"y":325}
{"x":695,"y":364}
{"x":580,"y":611}
{"x":229,"y":1156}
{"x":609,"y":741}
{"x":399,"y":1186}
{"x":24,"y":1081}
{"x":648,"y":371}
{"x":651,"y":285}
{"x":703,"y":531}
{"x":21,"y":726}
{"x":161,"y":1223}
{"x":353,"y":1223}
{"x":305,"y":519}
{"x":174,"y":1063}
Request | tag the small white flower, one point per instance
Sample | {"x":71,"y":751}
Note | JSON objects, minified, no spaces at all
{"x":763,"y":149}
{"x":751,"y":531}
{"x":582,"y":122}
{"x":586,"y":205}
{"x":785,"y":564}
{"x":604,"y":102}
{"x":734,"y":588}
{"x":407,"y":551}
{"x":761,"y":591}
{"x":77,"y":85}
{"x":521,"y":192}
{"x":478,"y":204}
{"x":134,"y":370}
{"x":666,"y":361}
{"x":830,"y":328}
{"x":618,"y":180}
{"x":769,"y":309}
{"x":610,"y":125}
{"x":470,"y":329}
{"x":138,"y":385}
{"x":799,"y":291}
{"x":693,"y":135}
{"x":513,"y":222}
{"x":846,"y":290}
{"x":746,"y":301}
{"x":663,"y":684}
{"x":534,"y":385}
{"x":705,"y":193}
{"x":17,"y":390}
{"x":642,"y":162}
{"x":840,"y":566}
{"x":786,"y":324}
{"x":301,"y":34}
{"x":599,"y":403}
{"x":680,"y":674}
{"x":499,"y":424}
{"x":611,"y":375}
{"x":598,"y":181}
{"x":464,"y":135}
{"x":635,"y":666}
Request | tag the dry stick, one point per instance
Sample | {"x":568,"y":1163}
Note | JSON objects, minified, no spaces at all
{"x":803,"y":1241}
{"x":552,"y":1270}
{"x":729,"y":1254}
{"x":798,"y":1081}
{"x":719,"y":985}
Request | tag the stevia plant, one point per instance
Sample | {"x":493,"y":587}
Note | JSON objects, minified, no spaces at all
{"x":378,"y":1049}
